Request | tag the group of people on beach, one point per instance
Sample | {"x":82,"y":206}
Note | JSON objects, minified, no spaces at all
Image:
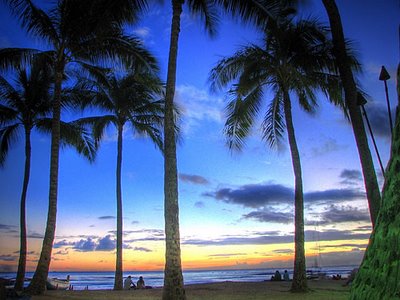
{"x":130,"y":285}
{"x":278,"y":277}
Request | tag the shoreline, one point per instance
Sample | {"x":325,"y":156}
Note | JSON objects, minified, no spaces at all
{"x":319,"y":289}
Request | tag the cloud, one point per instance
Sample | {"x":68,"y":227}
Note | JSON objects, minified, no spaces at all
{"x":195,"y":179}
{"x":254,"y":195}
{"x":334,"y":195}
{"x":227,"y":254}
{"x":378,"y":116}
{"x":106,"y":218}
{"x":85,"y":245}
{"x":143,"y":249}
{"x":267,"y":194}
{"x":142,"y":32}
{"x":351,"y":177}
{"x":198,"y":106}
{"x":273,"y":238}
{"x":8,"y":257}
{"x":106,"y":244}
{"x":284,"y":251}
{"x":270,"y":215}
{"x":335,"y":214}
{"x":199,"y":204}
{"x":8,"y":228}
{"x":61,"y":252}
{"x":63,"y":243}
{"x":330,"y":145}
{"x":35,"y":235}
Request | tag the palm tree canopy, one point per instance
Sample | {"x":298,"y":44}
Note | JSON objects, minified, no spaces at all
{"x":296,"y":57}
{"x":134,"y":99}
{"x":79,"y":37}
{"x":27,"y":103}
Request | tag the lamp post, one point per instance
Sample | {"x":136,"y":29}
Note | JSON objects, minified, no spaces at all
{"x":384,"y":76}
{"x":362,"y":101}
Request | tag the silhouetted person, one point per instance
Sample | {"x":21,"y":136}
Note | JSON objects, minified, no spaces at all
{"x":140,"y":283}
{"x":286,"y":276}
{"x":128,"y":283}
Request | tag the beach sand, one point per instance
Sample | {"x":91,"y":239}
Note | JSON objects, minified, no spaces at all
{"x":320,"y":289}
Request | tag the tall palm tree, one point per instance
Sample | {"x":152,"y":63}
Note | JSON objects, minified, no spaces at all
{"x":26,"y":105}
{"x":350,"y":91}
{"x":207,"y":10}
{"x":173,"y":279}
{"x":127,"y":101}
{"x":378,"y":276}
{"x":71,"y":38}
{"x":295,"y":59}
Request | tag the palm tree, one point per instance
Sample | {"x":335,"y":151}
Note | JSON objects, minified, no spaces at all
{"x":129,"y":100}
{"x":206,"y":9}
{"x":378,"y":276}
{"x":27,"y":106}
{"x":173,"y":279}
{"x":71,"y":39}
{"x":350,"y":91}
{"x":295,"y":59}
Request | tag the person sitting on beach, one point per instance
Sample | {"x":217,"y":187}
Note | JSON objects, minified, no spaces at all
{"x":140,"y":283}
{"x":128,"y":283}
{"x":277,"y":276}
{"x":286,"y":276}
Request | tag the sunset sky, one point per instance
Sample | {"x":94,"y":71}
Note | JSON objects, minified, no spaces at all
{"x":236,"y":209}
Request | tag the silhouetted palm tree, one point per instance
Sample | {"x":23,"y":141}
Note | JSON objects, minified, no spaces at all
{"x":76,"y":32}
{"x":173,"y":279}
{"x":350,"y":91}
{"x":134,"y":101}
{"x":207,"y":10}
{"x":295,"y":59}
{"x":25,"y":105}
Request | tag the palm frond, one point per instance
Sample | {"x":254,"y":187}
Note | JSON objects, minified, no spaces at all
{"x":273,"y":125}
{"x":13,"y":58}
{"x":242,"y":112}
{"x":8,"y":94}
{"x":34,"y":19}
{"x":8,"y":136}
{"x":98,"y":125}
{"x":208,"y":13}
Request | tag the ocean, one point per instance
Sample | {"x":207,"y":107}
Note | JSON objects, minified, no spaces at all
{"x":105,"y":280}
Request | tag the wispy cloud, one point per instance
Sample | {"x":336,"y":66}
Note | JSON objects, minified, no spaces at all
{"x":329,"y":145}
{"x":310,"y":235}
{"x":106,"y":218}
{"x":142,"y":249}
{"x":195,"y":179}
{"x":197,"y":106}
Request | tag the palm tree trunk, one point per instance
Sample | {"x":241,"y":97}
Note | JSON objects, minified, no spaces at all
{"x":173,"y":278}
{"x":38,"y":282}
{"x":299,"y":283}
{"x":19,"y":282}
{"x":118,"y":283}
{"x":350,"y":90}
{"x":379,"y":273}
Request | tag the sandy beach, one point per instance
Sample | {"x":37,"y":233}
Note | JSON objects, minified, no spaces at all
{"x":320,"y":289}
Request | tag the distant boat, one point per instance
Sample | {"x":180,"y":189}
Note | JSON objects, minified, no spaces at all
{"x":57,"y":284}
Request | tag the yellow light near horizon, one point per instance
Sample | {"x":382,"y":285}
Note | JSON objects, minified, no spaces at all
{"x":193,"y":256}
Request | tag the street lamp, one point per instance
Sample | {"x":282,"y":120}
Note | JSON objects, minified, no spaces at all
{"x":384,"y":76}
{"x":362,"y":101}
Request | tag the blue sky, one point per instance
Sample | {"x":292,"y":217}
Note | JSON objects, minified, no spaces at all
{"x":235,"y":208}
